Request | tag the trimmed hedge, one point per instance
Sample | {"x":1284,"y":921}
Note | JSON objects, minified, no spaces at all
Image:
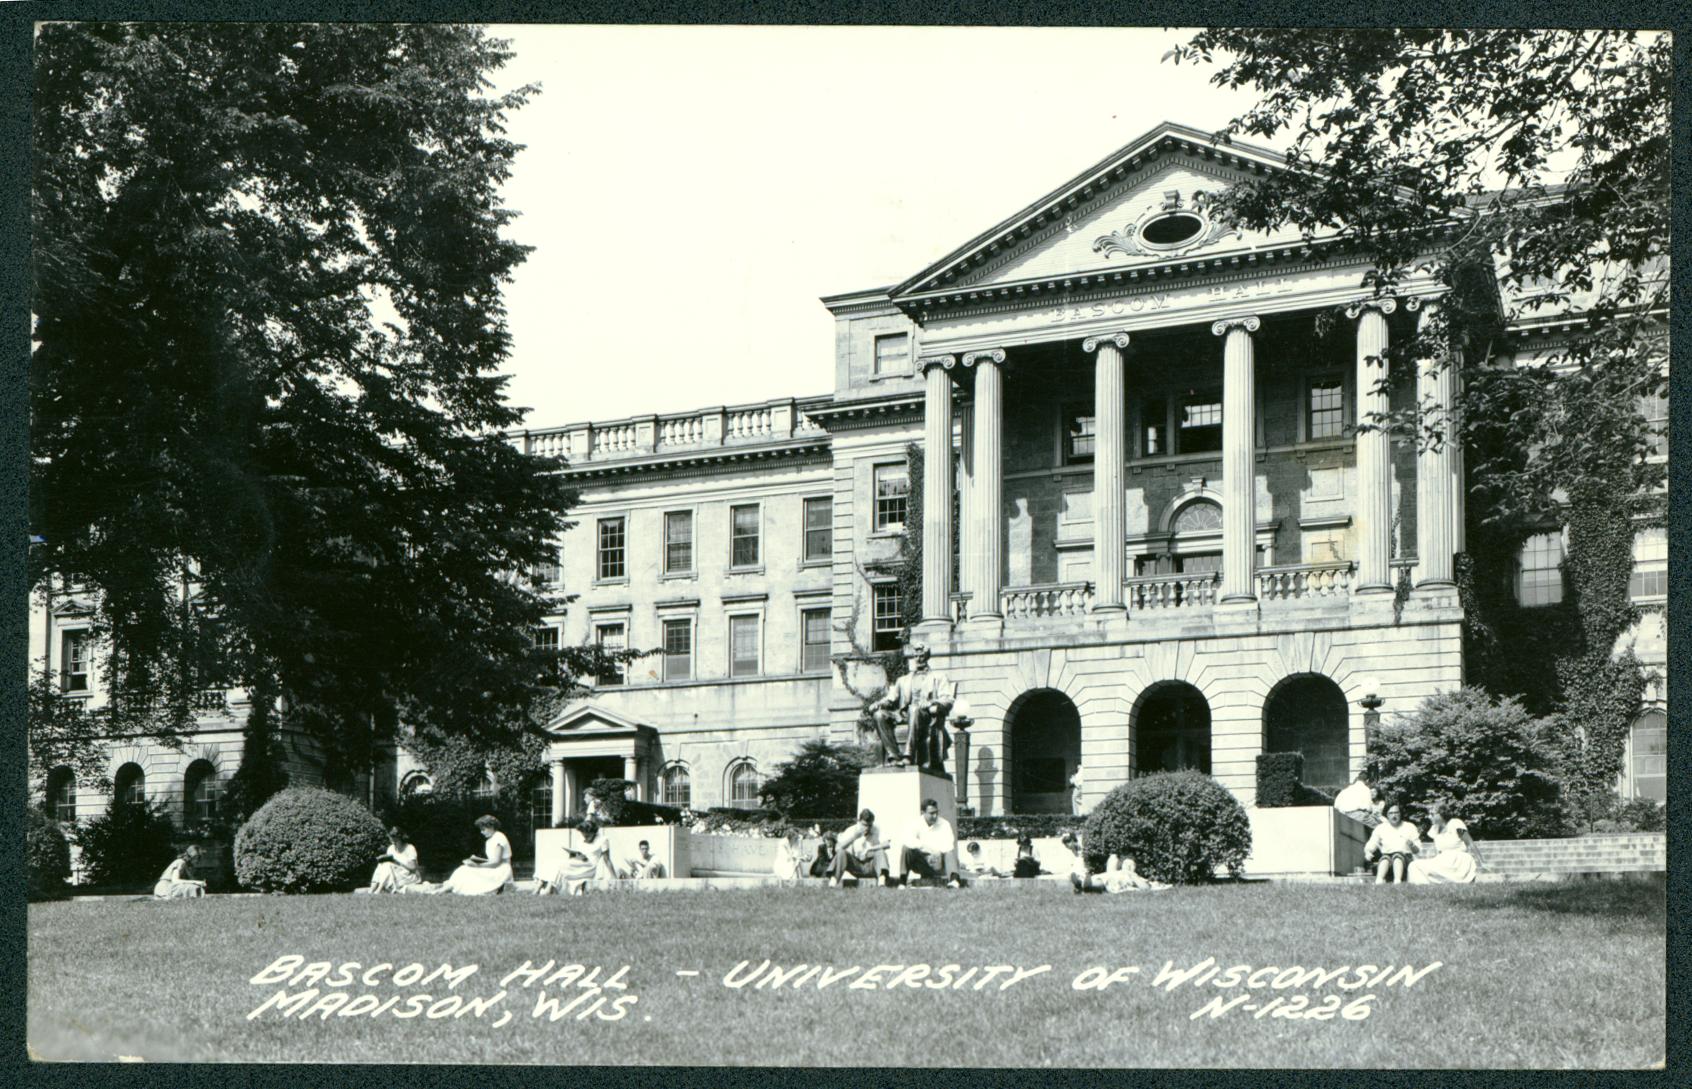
{"x":1280,"y":782}
{"x":127,"y":845}
{"x":1036,"y":825}
{"x":46,"y":856}
{"x":1179,"y":827}
{"x":307,"y":839}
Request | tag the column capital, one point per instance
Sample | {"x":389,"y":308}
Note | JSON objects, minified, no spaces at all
{"x":1251,"y":324}
{"x":1091,"y":344}
{"x":1386,"y":304}
{"x":994,"y":355}
{"x":946,"y":361}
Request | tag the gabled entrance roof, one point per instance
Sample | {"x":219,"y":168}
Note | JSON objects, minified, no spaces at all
{"x":1170,"y":159}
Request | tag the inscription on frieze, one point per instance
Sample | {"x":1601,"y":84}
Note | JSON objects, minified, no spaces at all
{"x":1152,"y":302}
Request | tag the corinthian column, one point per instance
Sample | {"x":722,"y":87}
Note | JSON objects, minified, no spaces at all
{"x":937,"y":489}
{"x":1436,"y":386}
{"x":987,"y":504}
{"x":1110,"y":518}
{"x":1239,"y":459}
{"x":1374,"y":448}
{"x":969,"y":554}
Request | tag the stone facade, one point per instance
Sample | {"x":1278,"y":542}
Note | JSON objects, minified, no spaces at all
{"x":1276,"y":567}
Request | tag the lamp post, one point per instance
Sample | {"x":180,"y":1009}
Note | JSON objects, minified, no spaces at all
{"x":960,"y":739}
{"x":1371,"y":705}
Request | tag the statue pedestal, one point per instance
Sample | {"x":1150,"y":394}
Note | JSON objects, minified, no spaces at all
{"x":895,"y":796}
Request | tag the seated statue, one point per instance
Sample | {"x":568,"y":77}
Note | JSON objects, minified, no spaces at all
{"x":924,"y":700}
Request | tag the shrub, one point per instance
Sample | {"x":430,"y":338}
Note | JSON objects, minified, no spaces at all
{"x":1010,"y":826}
{"x":1278,"y":777}
{"x":1179,"y":827}
{"x":46,"y":856}
{"x":127,"y":845}
{"x":613,"y":797}
{"x":306,"y":839}
{"x":1644,"y":815}
{"x":1490,"y":761}
{"x":821,"y":780}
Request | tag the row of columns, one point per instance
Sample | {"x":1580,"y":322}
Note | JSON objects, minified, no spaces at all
{"x":564,"y":786}
{"x":1438,"y":480}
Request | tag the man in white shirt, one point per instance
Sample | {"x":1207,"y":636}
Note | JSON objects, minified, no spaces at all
{"x":644,"y":865}
{"x":926,"y":845}
{"x":1357,"y":801}
{"x":859,"y":852}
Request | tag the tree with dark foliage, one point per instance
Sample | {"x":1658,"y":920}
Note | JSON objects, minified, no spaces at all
{"x":267,"y":425}
{"x":821,"y":780}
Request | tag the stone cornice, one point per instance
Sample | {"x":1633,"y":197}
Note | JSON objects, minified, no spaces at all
{"x":869,"y":412}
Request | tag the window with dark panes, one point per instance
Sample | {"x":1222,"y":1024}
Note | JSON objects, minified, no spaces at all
{"x":1079,"y":434}
{"x":1540,"y":578}
{"x":744,"y":536}
{"x":1648,"y":757}
{"x":611,"y":637}
{"x":1327,"y":409}
{"x":1650,"y":564}
{"x":73,"y":659}
{"x":889,"y":625}
{"x":1199,"y":423}
{"x":61,"y":795}
{"x":1154,"y":427}
{"x":678,"y":787}
{"x":819,"y":529}
{"x":743,"y":646}
{"x":815,"y":635}
{"x":678,"y":650}
{"x":743,"y":786}
{"x":200,"y":793}
{"x":892,"y":491}
{"x":678,"y":542}
{"x":613,"y":560}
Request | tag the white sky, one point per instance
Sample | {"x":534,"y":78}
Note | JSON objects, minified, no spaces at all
{"x":692,"y":191}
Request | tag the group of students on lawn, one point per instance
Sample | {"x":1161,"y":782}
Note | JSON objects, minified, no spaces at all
{"x":490,"y":872}
{"x":1395,"y":844}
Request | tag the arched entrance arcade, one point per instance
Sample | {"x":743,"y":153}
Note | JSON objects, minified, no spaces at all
{"x":1171,"y":728}
{"x":1307,"y":713}
{"x":1043,"y":736}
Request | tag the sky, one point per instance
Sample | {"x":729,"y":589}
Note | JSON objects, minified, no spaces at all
{"x":692,"y":192}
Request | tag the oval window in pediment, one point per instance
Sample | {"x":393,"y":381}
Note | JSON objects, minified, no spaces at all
{"x":1173,"y":229}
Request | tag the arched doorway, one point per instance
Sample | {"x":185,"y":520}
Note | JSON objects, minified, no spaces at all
{"x":1172,"y":729}
{"x":1307,"y":714}
{"x":1044,"y":731}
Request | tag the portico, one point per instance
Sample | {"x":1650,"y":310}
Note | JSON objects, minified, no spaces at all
{"x":586,"y":742}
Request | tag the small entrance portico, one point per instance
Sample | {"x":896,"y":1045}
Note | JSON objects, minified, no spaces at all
{"x":584,"y":734}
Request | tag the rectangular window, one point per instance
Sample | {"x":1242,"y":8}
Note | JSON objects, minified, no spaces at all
{"x":678,"y":542}
{"x":1199,"y":426}
{"x":892,"y":489}
{"x":893,"y":353}
{"x":544,"y":639}
{"x":744,"y":536}
{"x":743,"y":646}
{"x":1655,"y":411}
{"x":613,"y":560}
{"x":547,"y":572}
{"x":678,"y":650}
{"x":73,"y":659}
{"x":1079,"y":434}
{"x":889,"y":625}
{"x":1327,"y":409}
{"x":1154,"y":428}
{"x":1650,"y":564}
{"x":814,"y":632}
{"x":1540,"y":580}
{"x":1648,"y":757}
{"x":819,"y":529}
{"x":611,"y":637}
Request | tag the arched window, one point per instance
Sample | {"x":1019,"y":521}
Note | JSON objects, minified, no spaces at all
{"x":483,"y":795}
{"x":1044,"y":751}
{"x":416,"y":785}
{"x":1308,"y":714}
{"x":1647,"y":761}
{"x":61,"y":795}
{"x":1172,"y":729}
{"x":678,"y":786}
{"x":743,"y":785}
{"x":539,"y":798}
{"x":1199,"y":516}
{"x":129,"y":787}
{"x":200,"y":793}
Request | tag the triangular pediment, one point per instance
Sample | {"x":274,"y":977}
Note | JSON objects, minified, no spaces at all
{"x":587,"y":718}
{"x":1146,"y":204}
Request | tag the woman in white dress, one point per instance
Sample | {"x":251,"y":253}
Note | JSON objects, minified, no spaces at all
{"x":480,"y":875}
{"x":786,"y":864}
{"x":1396,"y":842}
{"x":398,"y":867}
{"x":1456,"y":862}
{"x":592,"y":865}
{"x":172,"y":885}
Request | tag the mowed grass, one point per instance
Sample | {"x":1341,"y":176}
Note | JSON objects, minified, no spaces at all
{"x":1568,"y":975}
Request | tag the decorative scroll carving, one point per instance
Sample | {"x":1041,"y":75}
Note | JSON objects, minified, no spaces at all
{"x":1122,"y":242}
{"x":1385,"y":305}
{"x":997,"y":355}
{"x":1128,"y":241}
{"x":946,"y":361}
{"x":1250,"y":324}
{"x":1091,"y":344}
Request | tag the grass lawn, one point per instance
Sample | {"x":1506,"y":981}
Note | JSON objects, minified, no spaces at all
{"x":1566,"y":975}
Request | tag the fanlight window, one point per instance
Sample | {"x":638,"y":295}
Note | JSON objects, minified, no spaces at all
{"x":1200,"y":517}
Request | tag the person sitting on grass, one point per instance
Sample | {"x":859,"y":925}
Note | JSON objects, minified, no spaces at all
{"x":644,"y":867}
{"x":822,"y":864}
{"x":860,"y":853}
{"x":787,"y":864}
{"x":1026,"y":864}
{"x":397,"y":867}
{"x":479,"y":875}
{"x":1121,"y":875}
{"x":1395,"y":842}
{"x":591,"y":864}
{"x":1360,"y":802}
{"x":925,"y":848}
{"x":975,"y":864}
{"x":1456,"y":860}
{"x":172,"y":885}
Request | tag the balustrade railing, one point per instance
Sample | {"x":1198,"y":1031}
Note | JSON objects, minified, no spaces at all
{"x":1173,"y":591}
{"x":614,"y":439}
{"x":773,"y":420}
{"x":681,"y":431}
{"x":1302,"y":580}
{"x":1054,"y":599}
{"x":748,"y":423}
